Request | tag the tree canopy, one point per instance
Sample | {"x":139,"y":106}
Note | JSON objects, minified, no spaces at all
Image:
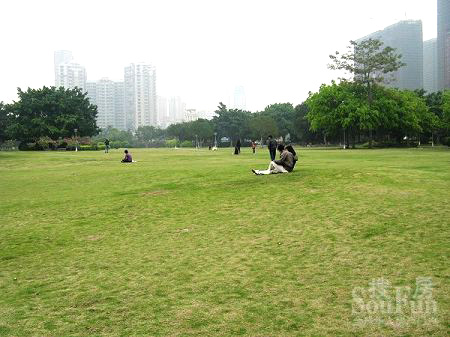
{"x":368,"y":64}
{"x":50,"y":112}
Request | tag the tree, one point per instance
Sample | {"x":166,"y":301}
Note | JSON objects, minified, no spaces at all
{"x":403,"y":112}
{"x":52,"y":112}
{"x":283,"y":114}
{"x":446,"y":111}
{"x":202,"y":129}
{"x":339,"y":109}
{"x":231,"y":123}
{"x":148,"y":133}
{"x":4,"y":123}
{"x":262,"y":126}
{"x":368,"y":64}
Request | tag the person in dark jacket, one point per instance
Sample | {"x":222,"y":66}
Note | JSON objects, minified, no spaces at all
{"x":106,"y":145}
{"x":237,"y":148}
{"x":284,"y":165}
{"x":272,"y":145}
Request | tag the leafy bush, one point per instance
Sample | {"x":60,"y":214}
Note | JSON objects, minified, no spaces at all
{"x":45,"y":143}
{"x":71,"y":142}
{"x":157,"y":144}
{"x":9,"y":145}
{"x":92,"y":147}
{"x":62,"y":144}
{"x":117,"y":144}
{"x":186,"y":143}
{"x":171,"y":142}
{"x":446,"y":141}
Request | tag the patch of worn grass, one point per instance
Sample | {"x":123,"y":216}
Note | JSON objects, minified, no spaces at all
{"x":190,"y":243}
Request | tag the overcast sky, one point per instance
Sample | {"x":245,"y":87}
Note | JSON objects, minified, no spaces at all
{"x":277,"y":49}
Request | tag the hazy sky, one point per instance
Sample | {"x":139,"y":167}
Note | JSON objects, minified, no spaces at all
{"x":277,"y":49}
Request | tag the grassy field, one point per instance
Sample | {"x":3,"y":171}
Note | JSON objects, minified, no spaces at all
{"x":191,"y":243}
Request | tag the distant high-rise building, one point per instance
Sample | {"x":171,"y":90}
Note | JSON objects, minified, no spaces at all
{"x":407,"y":38}
{"x":91,"y":91}
{"x":190,"y":115}
{"x":206,"y":114}
{"x":140,"y":95}
{"x":430,"y":66}
{"x":163,"y":110}
{"x":68,"y":74}
{"x":176,"y":110}
{"x":119,"y":106}
{"x":239,"y":98}
{"x":109,"y":98}
{"x":443,"y":43}
{"x":61,"y":57}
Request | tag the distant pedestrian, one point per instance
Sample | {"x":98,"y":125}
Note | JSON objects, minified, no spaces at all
{"x":106,"y":145}
{"x":253,"y":147}
{"x":127,"y":158}
{"x":272,"y":145}
{"x":237,"y":148}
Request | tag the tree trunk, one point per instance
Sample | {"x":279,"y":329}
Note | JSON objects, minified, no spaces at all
{"x":369,"y":101}
{"x":347,"y":139}
{"x":353,"y":139}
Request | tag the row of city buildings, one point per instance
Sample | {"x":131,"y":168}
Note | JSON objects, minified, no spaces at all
{"x":427,"y":62}
{"x":133,"y":102}
{"x":126,"y":104}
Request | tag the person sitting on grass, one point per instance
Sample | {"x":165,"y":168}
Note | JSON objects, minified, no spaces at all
{"x":284,"y":165}
{"x":291,"y":150}
{"x":127,"y":158}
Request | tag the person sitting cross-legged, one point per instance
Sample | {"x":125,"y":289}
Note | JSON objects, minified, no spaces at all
{"x":127,"y":158}
{"x":284,"y":165}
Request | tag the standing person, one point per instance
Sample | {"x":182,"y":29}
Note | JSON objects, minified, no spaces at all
{"x":284,"y":165}
{"x":254,"y":147}
{"x":127,"y":158}
{"x":272,"y":145}
{"x":106,"y":145}
{"x":237,"y":148}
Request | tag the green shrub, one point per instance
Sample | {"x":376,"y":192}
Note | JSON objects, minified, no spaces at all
{"x":446,"y":141}
{"x":45,"y":143}
{"x":92,"y":147}
{"x":171,"y":142}
{"x":117,"y":144}
{"x":186,"y":143}
{"x":9,"y":145}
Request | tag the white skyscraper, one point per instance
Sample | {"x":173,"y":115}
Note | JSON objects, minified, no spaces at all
{"x":108,"y":96}
{"x":68,"y":74}
{"x":190,"y":115}
{"x":239,"y":98}
{"x":163,"y":112}
{"x":119,"y":106}
{"x":140,"y":95}
{"x":176,"y":110}
{"x":61,"y":57}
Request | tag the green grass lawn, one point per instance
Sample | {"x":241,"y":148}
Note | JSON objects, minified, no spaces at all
{"x":191,"y":243}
